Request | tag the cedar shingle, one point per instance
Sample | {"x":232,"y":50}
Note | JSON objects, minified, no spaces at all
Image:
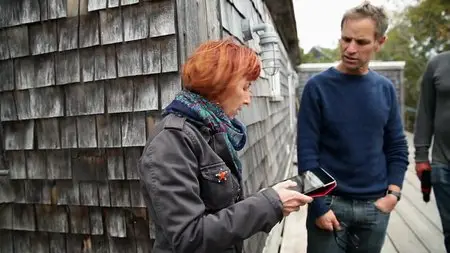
{"x":18,"y":135}
{"x":53,"y":219}
{"x":151,"y":56}
{"x":120,"y":193}
{"x":68,"y":33}
{"x":57,"y":9}
{"x":17,"y":40}
{"x":170,"y":85}
{"x":23,"y":218}
{"x":36,"y":161}
{"x":6,"y":75}
{"x":58,"y":164}
{"x":169,"y":55}
{"x":43,"y":37}
{"x":7,"y":106}
{"x":115,"y":223}
{"x":111,"y":26}
{"x":89,"y":30}
{"x":68,"y":192}
{"x":135,"y":22}
{"x":48,"y":136}
{"x":162,"y":18}
{"x":145,"y":93}
{"x":68,"y":129}
{"x":108,"y":131}
{"x":34,"y":72}
{"x":16,"y":164}
{"x":85,"y":98}
{"x":4,"y":49}
{"x":115,"y":162}
{"x":89,"y":193}
{"x":96,"y":4}
{"x":119,"y":95}
{"x":133,"y":129}
{"x":129,"y":59}
{"x":105,"y":62}
{"x":40,"y":103}
{"x":86,"y":132}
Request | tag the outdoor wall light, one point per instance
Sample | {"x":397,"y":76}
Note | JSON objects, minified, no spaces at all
{"x":268,"y":41}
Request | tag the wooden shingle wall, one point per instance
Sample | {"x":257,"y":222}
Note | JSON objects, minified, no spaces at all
{"x":81,"y":83}
{"x":270,"y":137}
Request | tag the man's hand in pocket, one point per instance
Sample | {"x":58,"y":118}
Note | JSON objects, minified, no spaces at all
{"x":387,"y":203}
{"x":328,"y":221}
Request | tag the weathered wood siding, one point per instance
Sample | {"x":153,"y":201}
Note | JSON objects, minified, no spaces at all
{"x":82,"y":82}
{"x":270,"y":136}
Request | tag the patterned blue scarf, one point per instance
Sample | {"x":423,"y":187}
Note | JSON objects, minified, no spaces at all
{"x":199,"y":109}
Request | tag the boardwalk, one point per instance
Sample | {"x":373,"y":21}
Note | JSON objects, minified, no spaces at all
{"x":414,"y":225}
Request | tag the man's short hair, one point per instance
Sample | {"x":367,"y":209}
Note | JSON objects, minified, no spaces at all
{"x":367,"y":10}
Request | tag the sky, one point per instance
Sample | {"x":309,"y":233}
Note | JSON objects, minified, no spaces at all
{"x":318,"y":21}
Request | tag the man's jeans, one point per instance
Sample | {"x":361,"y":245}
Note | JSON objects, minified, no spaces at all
{"x":440,"y":179}
{"x":360,"y":219}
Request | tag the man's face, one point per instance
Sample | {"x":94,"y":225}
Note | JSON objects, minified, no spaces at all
{"x":358,"y":44}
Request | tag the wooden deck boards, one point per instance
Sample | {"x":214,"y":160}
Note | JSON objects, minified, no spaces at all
{"x":414,"y":225}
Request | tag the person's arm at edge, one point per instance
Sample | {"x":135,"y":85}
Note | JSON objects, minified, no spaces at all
{"x":424,"y":124}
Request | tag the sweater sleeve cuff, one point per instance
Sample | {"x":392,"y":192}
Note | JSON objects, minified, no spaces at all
{"x":319,"y":207}
{"x":308,"y":165}
{"x":396,"y":176}
{"x":421,"y":154}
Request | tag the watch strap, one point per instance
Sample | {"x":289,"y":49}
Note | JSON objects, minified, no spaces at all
{"x":395,"y":193}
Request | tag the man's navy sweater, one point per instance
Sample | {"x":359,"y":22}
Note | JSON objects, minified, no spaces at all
{"x":350,"y":125}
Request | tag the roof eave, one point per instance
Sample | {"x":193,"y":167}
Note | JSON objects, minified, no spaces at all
{"x":283,"y":15}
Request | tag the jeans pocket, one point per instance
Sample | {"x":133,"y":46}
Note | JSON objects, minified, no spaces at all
{"x":378,"y":210}
{"x":440,"y":173}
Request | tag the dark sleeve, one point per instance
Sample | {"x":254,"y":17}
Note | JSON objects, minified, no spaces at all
{"x":168,"y":170}
{"x":395,"y":144}
{"x":308,"y":134}
{"x":424,"y":124}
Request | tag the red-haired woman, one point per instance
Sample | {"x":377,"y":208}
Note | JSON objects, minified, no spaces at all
{"x":190,"y":170}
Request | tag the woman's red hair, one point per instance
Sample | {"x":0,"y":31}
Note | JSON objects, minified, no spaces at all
{"x":215,"y":66}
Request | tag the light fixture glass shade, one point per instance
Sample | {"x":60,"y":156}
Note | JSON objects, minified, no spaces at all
{"x":268,"y":41}
{"x":270,"y":55}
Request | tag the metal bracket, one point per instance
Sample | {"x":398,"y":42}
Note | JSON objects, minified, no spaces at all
{"x":246,"y":30}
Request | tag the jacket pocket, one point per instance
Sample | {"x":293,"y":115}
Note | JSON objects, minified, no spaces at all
{"x":216,"y":186}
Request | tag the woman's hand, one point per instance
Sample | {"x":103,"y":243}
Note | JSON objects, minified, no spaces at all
{"x":292,"y":200}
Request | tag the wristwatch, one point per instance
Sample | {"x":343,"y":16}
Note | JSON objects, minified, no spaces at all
{"x":396,"y":194}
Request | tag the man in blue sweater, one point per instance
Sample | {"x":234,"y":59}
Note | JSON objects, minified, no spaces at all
{"x":349,"y":124}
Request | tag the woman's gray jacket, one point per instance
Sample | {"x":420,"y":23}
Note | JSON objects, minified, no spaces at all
{"x":194,"y":195}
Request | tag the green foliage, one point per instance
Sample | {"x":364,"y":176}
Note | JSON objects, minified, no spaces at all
{"x":430,"y":23}
{"x":416,"y":34}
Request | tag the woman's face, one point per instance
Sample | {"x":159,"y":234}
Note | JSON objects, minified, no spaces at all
{"x":238,"y":96}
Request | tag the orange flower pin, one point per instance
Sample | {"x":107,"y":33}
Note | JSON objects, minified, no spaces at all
{"x":222,"y":175}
